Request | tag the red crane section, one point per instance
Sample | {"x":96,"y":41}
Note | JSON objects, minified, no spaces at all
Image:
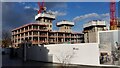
{"x":113,"y":22}
{"x":41,"y":7}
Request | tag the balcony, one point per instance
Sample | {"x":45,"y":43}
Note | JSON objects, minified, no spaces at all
{"x":39,"y":29}
{"x":52,"y":36}
{"x":61,"y":36}
{"x":22,"y":36}
{"x":43,"y":35}
{"x":19,"y":37}
{"x":39,"y":42}
{"x":42,"y":41}
{"x":36,"y":35}
{"x":51,"y":41}
{"x":67,"y":36}
{"x":35,"y":42}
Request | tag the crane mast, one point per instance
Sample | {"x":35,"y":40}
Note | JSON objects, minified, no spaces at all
{"x":113,"y":20}
{"x":42,"y":8}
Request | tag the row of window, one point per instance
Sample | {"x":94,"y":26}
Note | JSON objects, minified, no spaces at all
{"x":46,"y":20}
{"x":30,"y":27}
{"x":44,"y":39}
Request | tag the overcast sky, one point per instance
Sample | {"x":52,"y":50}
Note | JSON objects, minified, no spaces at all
{"x":15,"y":14}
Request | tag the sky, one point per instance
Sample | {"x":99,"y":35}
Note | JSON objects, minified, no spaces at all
{"x":16,"y":14}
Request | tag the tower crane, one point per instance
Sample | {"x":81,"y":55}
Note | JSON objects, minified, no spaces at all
{"x":113,"y":20}
{"x":42,"y":7}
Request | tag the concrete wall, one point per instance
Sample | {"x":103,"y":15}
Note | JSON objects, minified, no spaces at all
{"x":87,"y":53}
{"x":108,"y":39}
{"x":65,"y":28}
{"x":110,"y":36}
{"x":91,"y":37}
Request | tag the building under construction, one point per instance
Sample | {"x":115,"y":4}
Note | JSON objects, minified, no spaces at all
{"x":41,"y":31}
{"x":91,"y":29}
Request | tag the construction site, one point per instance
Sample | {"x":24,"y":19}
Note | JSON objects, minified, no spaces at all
{"x":96,"y":43}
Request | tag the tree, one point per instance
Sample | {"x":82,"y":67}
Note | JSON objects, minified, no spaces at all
{"x":6,"y":38}
{"x":65,"y":58}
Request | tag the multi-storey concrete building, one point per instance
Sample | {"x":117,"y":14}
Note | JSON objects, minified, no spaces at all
{"x":91,"y":30}
{"x":65,"y":26}
{"x":41,"y":32}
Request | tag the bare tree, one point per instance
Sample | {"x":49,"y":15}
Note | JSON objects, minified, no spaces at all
{"x":65,"y":59}
{"x":6,"y":38}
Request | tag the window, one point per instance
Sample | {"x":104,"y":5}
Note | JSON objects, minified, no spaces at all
{"x":50,"y":25}
{"x":50,"y":21}
{"x":44,"y":20}
{"x":30,"y":33}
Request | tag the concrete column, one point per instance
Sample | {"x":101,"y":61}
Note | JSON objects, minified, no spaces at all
{"x":64,"y":37}
{"x":87,"y":37}
{"x":17,"y":39}
{"x":32,"y":27}
{"x":96,"y":29}
{"x":38,"y":27}
{"x":17,"y":31}
{"x":20,"y":38}
{"x":24,"y":36}
{"x":77,"y":38}
{"x":38,"y":38}
{"x":28,"y":27}
{"x":28,"y":35}
{"x":47,"y":38}
{"x":57,"y":38}
{"x":70,"y":38}
{"x":32,"y":36}
{"x":74,"y":38}
{"x":24,"y":29}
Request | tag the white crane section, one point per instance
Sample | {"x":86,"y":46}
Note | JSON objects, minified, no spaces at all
{"x":95,"y":23}
{"x":47,"y":15}
{"x":64,"y":22}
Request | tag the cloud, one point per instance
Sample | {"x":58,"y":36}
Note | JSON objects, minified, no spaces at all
{"x":105,"y":15}
{"x":82,"y":19}
{"x":36,"y":8}
{"x":91,"y":16}
{"x":57,"y":13}
{"x":27,"y":7}
{"x":78,"y":18}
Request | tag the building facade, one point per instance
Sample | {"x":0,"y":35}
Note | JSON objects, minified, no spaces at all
{"x":41,"y":32}
{"x":91,"y":30}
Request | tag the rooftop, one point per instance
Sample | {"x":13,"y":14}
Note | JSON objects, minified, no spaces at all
{"x":46,"y":15}
{"x":65,"y":22}
{"x":28,"y":25}
{"x":95,"y":23}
